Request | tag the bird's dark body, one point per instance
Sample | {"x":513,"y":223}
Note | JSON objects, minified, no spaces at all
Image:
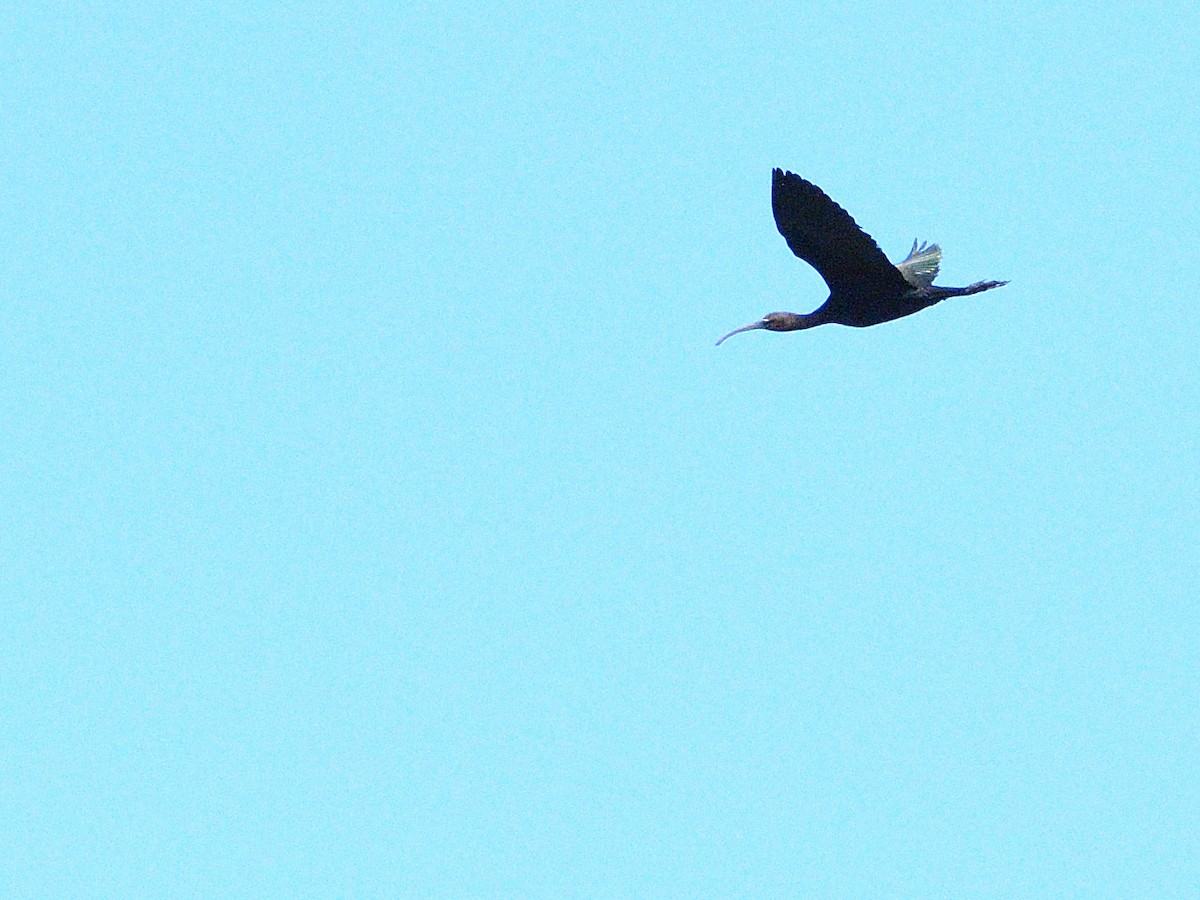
{"x":864,"y":310}
{"x":865,"y":288}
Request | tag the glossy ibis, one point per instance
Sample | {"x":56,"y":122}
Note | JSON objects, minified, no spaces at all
{"x":864,"y":288}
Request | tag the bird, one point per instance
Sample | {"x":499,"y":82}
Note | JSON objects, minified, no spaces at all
{"x":865,"y":288}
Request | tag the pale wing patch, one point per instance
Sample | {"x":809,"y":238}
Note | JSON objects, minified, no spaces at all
{"x":921,"y":266}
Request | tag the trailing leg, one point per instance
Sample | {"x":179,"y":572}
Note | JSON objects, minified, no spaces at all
{"x":977,"y":288}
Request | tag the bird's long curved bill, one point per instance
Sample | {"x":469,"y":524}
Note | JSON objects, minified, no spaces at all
{"x":751,"y":327}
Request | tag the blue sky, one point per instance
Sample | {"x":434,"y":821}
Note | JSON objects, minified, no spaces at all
{"x":378,"y":518}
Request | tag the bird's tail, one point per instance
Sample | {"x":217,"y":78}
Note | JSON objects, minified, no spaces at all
{"x":920,"y":267}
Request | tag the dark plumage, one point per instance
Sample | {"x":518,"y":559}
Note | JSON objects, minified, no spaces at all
{"x":864,"y":287}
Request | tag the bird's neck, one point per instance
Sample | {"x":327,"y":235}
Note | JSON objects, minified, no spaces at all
{"x":800,"y":321}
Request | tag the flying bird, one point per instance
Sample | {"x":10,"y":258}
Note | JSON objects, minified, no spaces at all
{"x":864,"y":287}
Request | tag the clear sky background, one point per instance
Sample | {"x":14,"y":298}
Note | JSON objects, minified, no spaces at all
{"x":378,"y":519}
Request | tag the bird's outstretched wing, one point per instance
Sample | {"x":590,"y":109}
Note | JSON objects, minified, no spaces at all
{"x":826,"y":237}
{"x":920,"y":267}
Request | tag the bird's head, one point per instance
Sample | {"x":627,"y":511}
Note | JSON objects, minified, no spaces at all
{"x":781,"y":321}
{"x":776,"y":321}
